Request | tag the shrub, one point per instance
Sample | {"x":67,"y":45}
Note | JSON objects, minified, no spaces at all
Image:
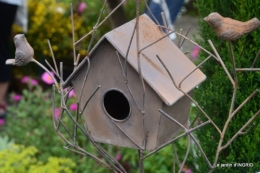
{"x":18,"y":158}
{"x":215,"y":94}
{"x":29,"y":123}
{"x":51,"y":20}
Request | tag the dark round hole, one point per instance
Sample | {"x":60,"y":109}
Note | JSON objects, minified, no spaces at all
{"x":116,"y":105}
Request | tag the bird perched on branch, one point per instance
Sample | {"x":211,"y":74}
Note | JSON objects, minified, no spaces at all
{"x":230,"y":29}
{"x":23,"y":53}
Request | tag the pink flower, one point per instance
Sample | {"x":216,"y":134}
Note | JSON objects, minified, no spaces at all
{"x":57,"y":113}
{"x":33,"y":82}
{"x":17,"y":97}
{"x":25,"y":79}
{"x":2,"y":122}
{"x":73,"y":107}
{"x":81,"y":7}
{"x":47,"y":78}
{"x":195,"y":52}
{"x":72,"y":93}
{"x":188,"y":171}
{"x":118,"y":156}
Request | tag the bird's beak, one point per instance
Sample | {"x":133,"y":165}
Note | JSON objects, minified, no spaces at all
{"x":205,"y":18}
{"x":10,"y":62}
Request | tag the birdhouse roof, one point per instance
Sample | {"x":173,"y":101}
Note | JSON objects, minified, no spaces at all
{"x":153,"y":71}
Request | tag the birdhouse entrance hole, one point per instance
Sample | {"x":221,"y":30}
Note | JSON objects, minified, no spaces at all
{"x":116,"y":105}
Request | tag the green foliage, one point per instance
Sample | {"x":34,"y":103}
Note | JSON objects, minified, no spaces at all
{"x":30,"y":123}
{"x":51,"y":20}
{"x":215,"y":94}
{"x":19,"y":158}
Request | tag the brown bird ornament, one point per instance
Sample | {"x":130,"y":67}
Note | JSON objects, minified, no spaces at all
{"x":24,"y":52}
{"x":230,"y":29}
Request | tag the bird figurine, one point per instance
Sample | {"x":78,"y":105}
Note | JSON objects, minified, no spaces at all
{"x":230,"y":29}
{"x":23,"y":53}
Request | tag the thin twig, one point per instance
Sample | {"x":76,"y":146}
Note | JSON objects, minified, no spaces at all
{"x":85,"y":80}
{"x":222,"y":63}
{"x":89,"y":155}
{"x":187,"y":131}
{"x":95,"y":27}
{"x":187,"y":32}
{"x":81,"y":111}
{"x":186,"y":38}
{"x":53,"y":58}
{"x":179,"y":40}
{"x":51,"y":68}
{"x":247,"y":69}
{"x":243,"y":103}
{"x":153,"y":17}
{"x":248,"y":130}
{"x":141,"y":165}
{"x":77,"y":62}
{"x":127,"y":52}
{"x":176,"y":138}
{"x":72,"y":30}
{"x":257,"y":55}
{"x":240,"y":131}
{"x":235,"y":77}
{"x":123,"y":1}
{"x":44,"y":68}
{"x":128,"y":87}
{"x":186,"y":155}
{"x":205,"y":114}
{"x":194,"y":70}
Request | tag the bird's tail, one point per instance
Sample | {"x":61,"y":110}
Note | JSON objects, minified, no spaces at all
{"x":251,"y":25}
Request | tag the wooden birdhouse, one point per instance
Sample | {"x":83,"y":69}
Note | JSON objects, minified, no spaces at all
{"x":113,"y":101}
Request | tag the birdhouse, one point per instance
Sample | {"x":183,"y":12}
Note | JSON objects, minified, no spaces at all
{"x":112,"y":116}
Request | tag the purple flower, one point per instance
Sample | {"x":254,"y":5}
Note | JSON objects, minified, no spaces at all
{"x":73,"y":107}
{"x":2,"y":122}
{"x":57,"y":113}
{"x":34,"y":82}
{"x":25,"y":79}
{"x":188,"y":171}
{"x":195,"y":52}
{"x":17,"y":97}
{"x":72,"y":93}
{"x":47,"y":78}
{"x":118,"y":156}
{"x":81,"y":7}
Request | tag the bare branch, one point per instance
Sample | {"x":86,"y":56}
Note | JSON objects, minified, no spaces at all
{"x":222,"y":63}
{"x":240,"y":131}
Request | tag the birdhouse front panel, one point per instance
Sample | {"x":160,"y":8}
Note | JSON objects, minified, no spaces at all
{"x":113,"y":100}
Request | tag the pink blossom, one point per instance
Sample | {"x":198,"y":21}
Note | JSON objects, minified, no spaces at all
{"x":17,"y":97}
{"x":33,"y":82}
{"x":185,"y":169}
{"x":25,"y":79}
{"x":57,"y":113}
{"x":72,"y":93}
{"x":118,"y":156}
{"x":195,"y":52}
{"x":2,"y":122}
{"x":188,"y":171}
{"x":47,"y":78}
{"x":73,"y":107}
{"x":81,"y":7}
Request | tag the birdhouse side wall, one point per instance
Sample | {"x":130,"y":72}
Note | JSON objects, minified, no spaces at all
{"x":180,"y":112}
